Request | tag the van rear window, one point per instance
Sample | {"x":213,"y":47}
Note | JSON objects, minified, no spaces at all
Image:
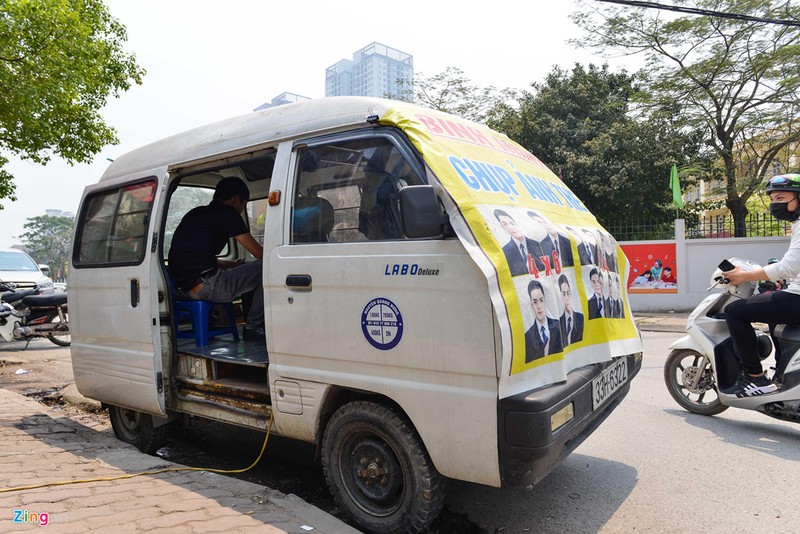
{"x":113,"y":226}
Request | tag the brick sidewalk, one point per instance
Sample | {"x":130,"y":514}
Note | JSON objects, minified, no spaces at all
{"x":39,"y":445}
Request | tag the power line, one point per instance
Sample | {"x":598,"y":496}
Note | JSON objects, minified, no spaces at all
{"x":698,"y":11}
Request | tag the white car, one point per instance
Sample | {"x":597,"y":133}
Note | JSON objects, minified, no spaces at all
{"x":18,"y":267}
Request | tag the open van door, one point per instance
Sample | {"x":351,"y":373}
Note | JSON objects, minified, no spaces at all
{"x":114,"y":312}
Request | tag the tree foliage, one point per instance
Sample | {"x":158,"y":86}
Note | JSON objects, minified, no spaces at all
{"x":735,"y":79}
{"x":47,"y":239}
{"x":582,"y":125}
{"x":60,"y":60}
{"x":453,"y":92}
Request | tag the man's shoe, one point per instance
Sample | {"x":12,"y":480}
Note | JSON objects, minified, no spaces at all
{"x":254,"y":334}
{"x":750,"y":386}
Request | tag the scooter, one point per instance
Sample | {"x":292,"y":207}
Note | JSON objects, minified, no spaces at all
{"x":702,"y":363}
{"x":25,"y":315}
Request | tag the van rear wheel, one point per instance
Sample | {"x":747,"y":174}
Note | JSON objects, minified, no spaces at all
{"x":379,"y":471}
{"x":137,"y":429}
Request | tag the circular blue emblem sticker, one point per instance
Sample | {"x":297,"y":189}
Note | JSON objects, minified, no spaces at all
{"x":382,"y":323}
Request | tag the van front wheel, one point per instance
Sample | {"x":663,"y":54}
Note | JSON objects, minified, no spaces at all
{"x":137,"y":429}
{"x":379,"y":471}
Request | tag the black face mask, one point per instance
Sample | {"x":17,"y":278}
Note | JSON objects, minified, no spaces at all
{"x":780,"y":211}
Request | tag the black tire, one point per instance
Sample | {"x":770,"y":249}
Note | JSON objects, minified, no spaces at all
{"x":379,"y":471}
{"x":61,"y":335}
{"x":681,"y":367}
{"x":137,"y":429}
{"x":62,"y":340}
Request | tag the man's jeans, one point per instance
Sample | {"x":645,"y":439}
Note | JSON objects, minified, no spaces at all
{"x":774,"y":307}
{"x":228,"y":283}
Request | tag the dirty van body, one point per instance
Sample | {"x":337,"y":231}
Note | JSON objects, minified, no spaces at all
{"x":383,"y":345}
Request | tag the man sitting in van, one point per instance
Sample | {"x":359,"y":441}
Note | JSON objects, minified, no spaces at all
{"x":201,"y":235}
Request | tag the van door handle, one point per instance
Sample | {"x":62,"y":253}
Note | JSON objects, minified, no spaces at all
{"x":299,"y":280}
{"x":134,"y":292}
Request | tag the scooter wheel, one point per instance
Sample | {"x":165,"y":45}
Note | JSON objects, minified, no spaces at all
{"x":60,"y":339}
{"x":690,"y":380}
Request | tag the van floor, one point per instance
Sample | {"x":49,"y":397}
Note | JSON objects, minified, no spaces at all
{"x":225,"y":349}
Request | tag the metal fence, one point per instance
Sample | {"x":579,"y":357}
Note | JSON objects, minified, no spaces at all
{"x":756,"y":224}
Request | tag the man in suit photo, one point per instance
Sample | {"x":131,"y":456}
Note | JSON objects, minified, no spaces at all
{"x":617,"y":309}
{"x":599,"y":306}
{"x":554,"y":242}
{"x":571,"y":322}
{"x":519,"y":247}
{"x":607,"y":247}
{"x":544,"y":336}
{"x":587,"y":250}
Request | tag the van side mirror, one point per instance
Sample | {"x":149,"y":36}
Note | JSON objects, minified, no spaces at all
{"x":419,"y":207}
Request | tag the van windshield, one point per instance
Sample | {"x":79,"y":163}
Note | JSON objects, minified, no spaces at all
{"x":16,"y":261}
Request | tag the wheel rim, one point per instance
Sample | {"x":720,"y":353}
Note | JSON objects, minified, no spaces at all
{"x":685,"y":373}
{"x":130,"y":423}
{"x":372,"y":474}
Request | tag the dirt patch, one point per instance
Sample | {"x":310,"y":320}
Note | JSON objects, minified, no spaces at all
{"x":43,"y":371}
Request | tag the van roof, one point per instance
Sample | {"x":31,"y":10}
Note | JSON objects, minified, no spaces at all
{"x":250,"y":130}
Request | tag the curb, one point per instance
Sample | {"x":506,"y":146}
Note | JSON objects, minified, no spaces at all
{"x":673,"y":322}
{"x":653,"y":327}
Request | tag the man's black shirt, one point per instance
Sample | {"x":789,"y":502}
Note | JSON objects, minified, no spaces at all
{"x":200,"y":236}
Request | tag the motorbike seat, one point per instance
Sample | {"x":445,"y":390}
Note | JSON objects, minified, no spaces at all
{"x":15,"y":296}
{"x":55,"y":299}
{"x":788,"y":332}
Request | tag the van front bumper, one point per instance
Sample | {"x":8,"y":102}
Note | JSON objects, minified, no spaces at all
{"x":529,"y":447}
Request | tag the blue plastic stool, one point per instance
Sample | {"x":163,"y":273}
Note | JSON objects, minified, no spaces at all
{"x":199,"y":311}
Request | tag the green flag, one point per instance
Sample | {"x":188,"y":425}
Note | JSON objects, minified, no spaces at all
{"x":675,"y":185}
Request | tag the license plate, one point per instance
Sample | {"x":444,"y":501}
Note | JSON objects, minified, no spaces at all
{"x":610,"y":381}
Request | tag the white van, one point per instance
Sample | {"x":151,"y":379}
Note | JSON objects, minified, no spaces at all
{"x":402,"y":338}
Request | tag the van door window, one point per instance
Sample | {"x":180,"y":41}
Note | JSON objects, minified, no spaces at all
{"x":257,"y":217}
{"x":113,"y":227}
{"x":348,"y":191}
{"x":181,"y":201}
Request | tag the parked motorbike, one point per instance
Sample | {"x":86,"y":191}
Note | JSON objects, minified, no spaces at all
{"x":26,"y":315}
{"x":702,"y":363}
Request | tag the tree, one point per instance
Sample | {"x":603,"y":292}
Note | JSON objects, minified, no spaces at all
{"x":452,"y":92}
{"x":581,"y":124}
{"x":735,"y":79}
{"x":47,"y":239}
{"x":60,"y":60}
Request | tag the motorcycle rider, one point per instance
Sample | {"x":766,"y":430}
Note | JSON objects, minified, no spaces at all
{"x":774,"y":307}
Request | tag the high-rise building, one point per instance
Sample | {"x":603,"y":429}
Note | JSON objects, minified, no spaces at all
{"x":376,"y":70}
{"x":281,"y":99}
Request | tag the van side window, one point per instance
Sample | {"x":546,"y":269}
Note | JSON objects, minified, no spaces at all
{"x":348,"y":191}
{"x":113,"y":227}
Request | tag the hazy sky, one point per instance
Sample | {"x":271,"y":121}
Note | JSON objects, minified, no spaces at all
{"x":207,"y":61}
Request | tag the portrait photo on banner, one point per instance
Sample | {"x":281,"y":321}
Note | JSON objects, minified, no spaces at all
{"x":540,"y":257}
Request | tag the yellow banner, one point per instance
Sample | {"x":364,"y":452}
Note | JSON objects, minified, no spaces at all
{"x":556,"y":278}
